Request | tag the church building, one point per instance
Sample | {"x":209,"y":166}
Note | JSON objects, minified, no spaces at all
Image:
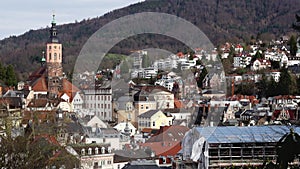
{"x":49,"y":80}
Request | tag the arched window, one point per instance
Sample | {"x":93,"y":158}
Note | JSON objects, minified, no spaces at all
{"x":55,"y":56}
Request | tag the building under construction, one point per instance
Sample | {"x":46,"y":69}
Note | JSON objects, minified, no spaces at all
{"x":231,"y":145}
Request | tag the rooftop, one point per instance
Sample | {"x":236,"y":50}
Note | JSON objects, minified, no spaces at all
{"x":251,"y":134}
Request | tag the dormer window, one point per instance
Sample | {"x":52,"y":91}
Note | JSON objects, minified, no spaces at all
{"x":90,"y":151}
{"x":102,"y":150}
{"x":96,"y":150}
{"x":83,"y":151}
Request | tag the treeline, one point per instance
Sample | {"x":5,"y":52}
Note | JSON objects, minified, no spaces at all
{"x":220,"y":20}
{"x":288,"y":84}
{"x":7,"y":75}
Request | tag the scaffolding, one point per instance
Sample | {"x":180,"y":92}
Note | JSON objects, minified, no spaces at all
{"x":241,"y":146}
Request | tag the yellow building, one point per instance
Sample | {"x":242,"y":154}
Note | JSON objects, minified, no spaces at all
{"x":154,"y":119}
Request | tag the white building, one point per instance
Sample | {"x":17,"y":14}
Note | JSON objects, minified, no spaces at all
{"x":99,"y":101}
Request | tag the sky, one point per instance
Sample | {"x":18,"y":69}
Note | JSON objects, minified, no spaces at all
{"x":20,"y":16}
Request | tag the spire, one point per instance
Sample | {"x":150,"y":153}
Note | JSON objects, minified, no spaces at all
{"x":43,"y":60}
{"x":53,"y":19}
{"x":53,"y":31}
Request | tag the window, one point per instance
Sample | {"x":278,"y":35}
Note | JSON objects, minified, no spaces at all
{"x":142,"y":106}
{"x":49,"y":47}
{"x":55,"y":56}
{"x":108,"y":162}
{"x":147,"y":107}
{"x":49,"y":56}
{"x":153,"y":124}
{"x":54,"y":46}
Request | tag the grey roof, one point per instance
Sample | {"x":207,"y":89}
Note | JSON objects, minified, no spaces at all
{"x":130,"y":154}
{"x":251,"y":134}
{"x":122,"y":102}
{"x":141,"y":164}
{"x":148,"y":114}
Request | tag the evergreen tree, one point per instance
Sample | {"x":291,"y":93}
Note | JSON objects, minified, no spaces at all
{"x":11,"y":79}
{"x":145,"y":61}
{"x":201,"y":77}
{"x":2,"y":72}
{"x":293,"y":46}
{"x":246,"y":88}
{"x":285,"y":82}
{"x":272,"y":88}
{"x":263,"y":86}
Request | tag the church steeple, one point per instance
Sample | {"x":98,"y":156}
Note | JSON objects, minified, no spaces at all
{"x":53,"y":31}
{"x":54,"y":61}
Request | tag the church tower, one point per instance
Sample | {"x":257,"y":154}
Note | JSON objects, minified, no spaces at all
{"x":54,"y":61}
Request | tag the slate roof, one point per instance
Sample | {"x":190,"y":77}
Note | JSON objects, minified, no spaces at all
{"x":141,"y":164}
{"x":169,"y":133}
{"x":148,"y":114}
{"x":130,"y":154}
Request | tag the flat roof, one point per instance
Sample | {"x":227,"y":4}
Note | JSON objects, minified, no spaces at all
{"x":251,"y":134}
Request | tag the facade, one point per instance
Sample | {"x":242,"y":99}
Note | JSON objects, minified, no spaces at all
{"x":93,"y":156}
{"x":154,"y":119}
{"x":54,"y":61}
{"x":99,"y":101}
{"x":125,"y":109}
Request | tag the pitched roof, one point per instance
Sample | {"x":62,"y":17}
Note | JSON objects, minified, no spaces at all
{"x":40,"y":84}
{"x":148,"y":114}
{"x":164,"y":148}
{"x":169,"y":133}
{"x":141,"y":164}
{"x":13,"y":102}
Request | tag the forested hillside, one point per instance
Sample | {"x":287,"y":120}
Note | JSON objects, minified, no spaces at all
{"x":221,"y":21}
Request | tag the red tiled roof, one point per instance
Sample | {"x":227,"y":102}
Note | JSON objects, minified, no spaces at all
{"x":40,"y":84}
{"x":166,"y":148}
{"x":178,"y":104}
{"x":68,"y":86}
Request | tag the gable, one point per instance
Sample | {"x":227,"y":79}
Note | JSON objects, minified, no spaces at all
{"x":96,"y":121}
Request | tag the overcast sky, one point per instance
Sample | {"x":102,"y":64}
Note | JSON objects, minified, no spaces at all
{"x":19,"y":16}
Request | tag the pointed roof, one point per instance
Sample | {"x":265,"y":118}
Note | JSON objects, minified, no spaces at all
{"x":149,"y":114}
{"x":40,"y":84}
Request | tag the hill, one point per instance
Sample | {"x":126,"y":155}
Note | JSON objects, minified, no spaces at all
{"x":220,"y":20}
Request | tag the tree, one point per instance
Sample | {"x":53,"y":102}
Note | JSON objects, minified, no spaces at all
{"x":11,"y":79}
{"x":272,"y":88}
{"x":145,"y":61}
{"x":246,"y":88}
{"x":285,"y":82}
{"x":262,"y":86}
{"x":293,"y":45}
{"x":287,"y":148}
{"x":201,"y":77}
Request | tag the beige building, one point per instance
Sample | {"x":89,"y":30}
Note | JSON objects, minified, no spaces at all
{"x":154,"y":119}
